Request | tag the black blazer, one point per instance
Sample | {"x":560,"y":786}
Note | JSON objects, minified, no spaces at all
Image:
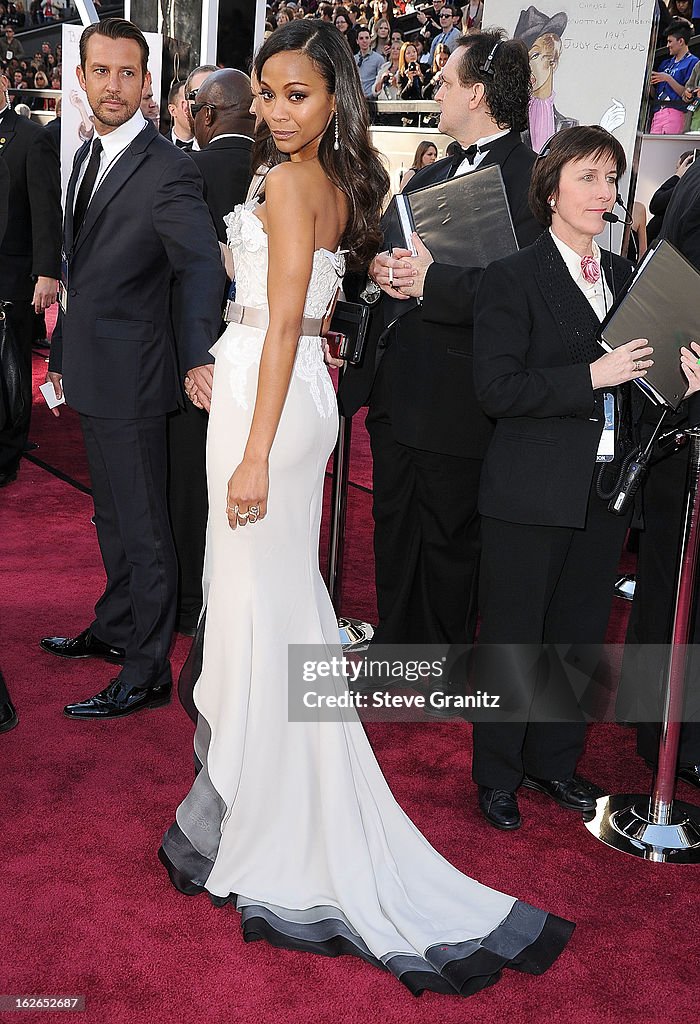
{"x":530,"y":318}
{"x":31,"y":245}
{"x":147,"y":221}
{"x":682,"y":228}
{"x":434,"y":406}
{"x":4,"y":196}
{"x":225,"y":168}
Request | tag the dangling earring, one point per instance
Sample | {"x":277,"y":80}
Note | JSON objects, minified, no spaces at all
{"x":552,"y":203}
{"x":336,"y":144}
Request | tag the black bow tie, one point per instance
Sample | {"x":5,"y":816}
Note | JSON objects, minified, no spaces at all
{"x":184,"y":145}
{"x":460,"y":154}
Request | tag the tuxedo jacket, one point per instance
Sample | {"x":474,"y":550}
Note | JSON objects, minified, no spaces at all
{"x":681,"y":227}
{"x":434,"y":406}
{"x":31,"y":244}
{"x":225,"y":168}
{"x":146,"y":222}
{"x":530,"y":322}
{"x":4,"y":197}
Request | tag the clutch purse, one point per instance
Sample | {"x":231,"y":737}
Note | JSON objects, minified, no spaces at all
{"x":347,"y":333}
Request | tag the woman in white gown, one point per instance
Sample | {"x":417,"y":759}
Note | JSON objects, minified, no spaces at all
{"x":292,"y":821}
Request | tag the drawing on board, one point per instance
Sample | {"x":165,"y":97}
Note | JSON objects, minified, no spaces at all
{"x":542,"y":35}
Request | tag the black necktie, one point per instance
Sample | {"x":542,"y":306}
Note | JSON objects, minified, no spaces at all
{"x":183,"y":145}
{"x":86,"y":186}
{"x":460,"y":154}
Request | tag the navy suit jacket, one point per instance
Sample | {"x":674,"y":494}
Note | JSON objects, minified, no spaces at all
{"x":146,"y":223}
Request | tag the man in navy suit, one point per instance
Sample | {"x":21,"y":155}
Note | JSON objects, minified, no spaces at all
{"x":135,"y":217}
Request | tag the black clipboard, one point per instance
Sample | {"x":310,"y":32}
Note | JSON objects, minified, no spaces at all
{"x":659,"y":303}
{"x":464,"y":221}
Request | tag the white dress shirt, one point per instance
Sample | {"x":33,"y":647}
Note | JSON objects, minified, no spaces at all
{"x":465,"y":167}
{"x":114,"y":144}
{"x":598,"y":294}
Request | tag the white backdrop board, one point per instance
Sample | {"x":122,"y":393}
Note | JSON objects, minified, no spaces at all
{"x":76,"y":124}
{"x":589,"y":56}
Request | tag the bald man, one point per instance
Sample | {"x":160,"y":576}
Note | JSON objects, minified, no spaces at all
{"x":223,"y":127}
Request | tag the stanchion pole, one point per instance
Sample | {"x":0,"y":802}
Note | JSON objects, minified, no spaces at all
{"x":656,"y":828}
{"x":353,"y":632}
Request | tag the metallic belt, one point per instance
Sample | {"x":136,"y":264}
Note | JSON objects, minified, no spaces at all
{"x":253,"y":316}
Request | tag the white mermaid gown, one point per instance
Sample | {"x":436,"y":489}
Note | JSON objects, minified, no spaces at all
{"x":294,"y":822}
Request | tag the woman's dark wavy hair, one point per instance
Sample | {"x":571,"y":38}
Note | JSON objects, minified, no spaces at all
{"x":506,"y":81}
{"x":356,"y":168}
{"x":569,"y":144}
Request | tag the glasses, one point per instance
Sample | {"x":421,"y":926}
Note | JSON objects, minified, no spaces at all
{"x":196,"y":107}
{"x":192,"y":95}
{"x":444,"y":17}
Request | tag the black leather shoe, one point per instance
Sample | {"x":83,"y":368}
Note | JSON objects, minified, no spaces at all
{"x":84,"y":646}
{"x":8,"y":717}
{"x":500,"y":808}
{"x":120,"y":700}
{"x":575,"y":794}
{"x":690,"y":773}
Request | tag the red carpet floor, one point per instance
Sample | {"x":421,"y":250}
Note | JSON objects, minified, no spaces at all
{"x":88,"y":910}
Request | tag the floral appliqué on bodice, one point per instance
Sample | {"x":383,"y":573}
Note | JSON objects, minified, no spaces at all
{"x":241,"y":347}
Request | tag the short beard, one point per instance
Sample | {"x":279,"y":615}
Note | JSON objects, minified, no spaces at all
{"x":116,"y":119}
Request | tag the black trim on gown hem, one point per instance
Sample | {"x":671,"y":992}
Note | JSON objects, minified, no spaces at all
{"x":329,"y":935}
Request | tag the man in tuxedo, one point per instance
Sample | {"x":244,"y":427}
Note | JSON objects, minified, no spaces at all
{"x":30,"y":250}
{"x":181,"y":134}
{"x":427,"y":431}
{"x":8,"y":715}
{"x":223,"y":128}
{"x":650,"y":623}
{"x":135,"y":217}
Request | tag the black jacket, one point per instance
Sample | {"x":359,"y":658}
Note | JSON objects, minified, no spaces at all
{"x":225,"y":168}
{"x":682,"y":228}
{"x":147,"y":221}
{"x":434,"y":406}
{"x":530,"y":319}
{"x":31,"y":245}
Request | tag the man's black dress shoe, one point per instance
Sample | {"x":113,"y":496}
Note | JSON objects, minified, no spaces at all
{"x":690,"y":773}
{"x":120,"y":700}
{"x":575,"y":794}
{"x":84,"y":646}
{"x":8,"y":717}
{"x":500,"y":808}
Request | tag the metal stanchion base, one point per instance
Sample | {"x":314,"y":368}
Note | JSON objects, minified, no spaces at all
{"x":622,"y":821}
{"x":354,"y":634}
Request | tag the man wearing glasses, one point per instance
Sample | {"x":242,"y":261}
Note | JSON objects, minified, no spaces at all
{"x":449,"y":18}
{"x":193,"y":84}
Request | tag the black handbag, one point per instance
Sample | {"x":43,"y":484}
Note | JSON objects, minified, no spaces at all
{"x":11,"y":394}
{"x":347,"y":333}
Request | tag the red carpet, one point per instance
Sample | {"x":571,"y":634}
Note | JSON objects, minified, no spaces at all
{"x":88,"y":910}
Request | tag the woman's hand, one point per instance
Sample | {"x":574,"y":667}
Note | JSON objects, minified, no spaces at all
{"x":329,"y":359}
{"x":246,"y":499}
{"x":690,"y":365}
{"x":625,"y":363}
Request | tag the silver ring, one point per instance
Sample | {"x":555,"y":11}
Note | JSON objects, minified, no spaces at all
{"x":255,"y":509}
{"x":232,"y":508}
{"x":391,"y":277}
{"x":637,"y":365}
{"x":242,"y":515}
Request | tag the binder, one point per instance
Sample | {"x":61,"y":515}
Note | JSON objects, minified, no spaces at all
{"x":464,"y":221}
{"x":659,"y":303}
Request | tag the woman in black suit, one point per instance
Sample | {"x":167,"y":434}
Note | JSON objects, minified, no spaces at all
{"x":550,"y":547}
